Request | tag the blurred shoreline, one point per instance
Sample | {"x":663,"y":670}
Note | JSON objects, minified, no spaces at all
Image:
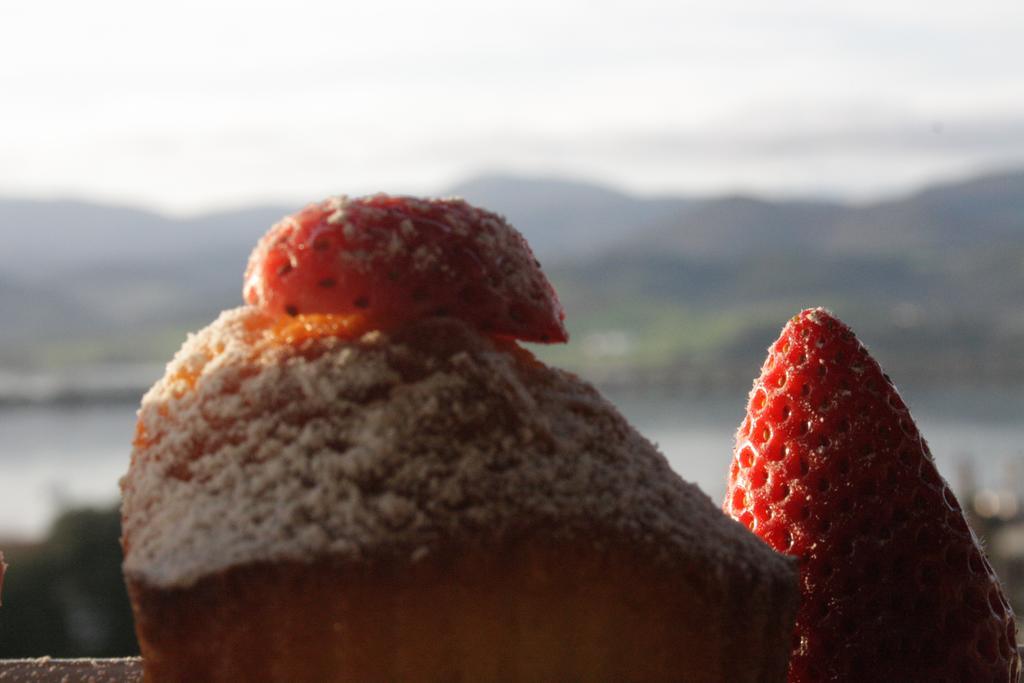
{"x":125,"y":384}
{"x":108,"y":384}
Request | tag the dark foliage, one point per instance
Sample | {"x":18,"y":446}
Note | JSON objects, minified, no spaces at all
{"x":65,"y":597}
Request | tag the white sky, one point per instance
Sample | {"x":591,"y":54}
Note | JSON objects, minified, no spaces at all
{"x":193,"y":105}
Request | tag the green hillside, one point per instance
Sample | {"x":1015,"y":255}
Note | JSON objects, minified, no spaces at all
{"x":657,"y":290}
{"x":928,"y":316}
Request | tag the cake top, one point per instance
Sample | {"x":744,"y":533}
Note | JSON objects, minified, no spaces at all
{"x":392,"y":445}
{"x":371,"y":403}
{"x":392,"y":260}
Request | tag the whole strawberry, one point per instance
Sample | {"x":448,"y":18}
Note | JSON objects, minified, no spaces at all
{"x":829,"y":467}
{"x":392,"y":260}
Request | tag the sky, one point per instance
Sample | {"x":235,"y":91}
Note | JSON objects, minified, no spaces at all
{"x":191,"y":106}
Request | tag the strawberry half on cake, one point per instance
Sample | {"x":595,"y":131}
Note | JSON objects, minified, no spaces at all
{"x":361,"y":476}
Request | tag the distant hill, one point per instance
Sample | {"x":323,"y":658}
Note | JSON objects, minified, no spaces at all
{"x":932,"y":281}
{"x":984,"y":211}
{"x":742,"y":227}
{"x":55,"y":237}
{"x":667,"y":289}
{"x":30,"y":311}
{"x":988,"y":210}
{"x":567,"y":220}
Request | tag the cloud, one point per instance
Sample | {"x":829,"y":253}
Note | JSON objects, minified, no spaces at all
{"x":877,"y":153}
{"x":649,"y":95}
{"x":918,"y":136}
{"x":935,"y":137}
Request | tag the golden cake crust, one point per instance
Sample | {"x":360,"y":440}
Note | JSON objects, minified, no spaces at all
{"x":522,"y":610}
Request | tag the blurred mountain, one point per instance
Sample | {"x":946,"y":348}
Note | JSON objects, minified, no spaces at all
{"x":32,"y":310}
{"x":663,"y":288}
{"x":50,"y":237}
{"x":932,"y":282}
{"x":567,"y":220}
{"x":987,"y":211}
{"x":983,"y":211}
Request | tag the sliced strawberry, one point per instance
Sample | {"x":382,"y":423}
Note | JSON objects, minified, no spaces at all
{"x":829,"y":467}
{"x":396,"y":259}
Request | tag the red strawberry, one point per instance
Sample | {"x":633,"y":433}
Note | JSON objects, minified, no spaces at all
{"x":829,"y":467}
{"x":396,"y":259}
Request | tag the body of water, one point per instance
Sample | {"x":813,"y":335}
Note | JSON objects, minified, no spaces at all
{"x":54,"y":457}
{"x":979,"y":432}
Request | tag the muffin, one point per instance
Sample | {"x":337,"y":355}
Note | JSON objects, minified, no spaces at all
{"x":364,"y":494}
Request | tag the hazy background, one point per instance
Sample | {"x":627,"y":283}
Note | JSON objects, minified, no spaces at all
{"x":691,"y":174}
{"x":200,"y":105}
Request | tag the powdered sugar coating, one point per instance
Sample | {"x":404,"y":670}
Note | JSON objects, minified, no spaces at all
{"x":251,"y":450}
